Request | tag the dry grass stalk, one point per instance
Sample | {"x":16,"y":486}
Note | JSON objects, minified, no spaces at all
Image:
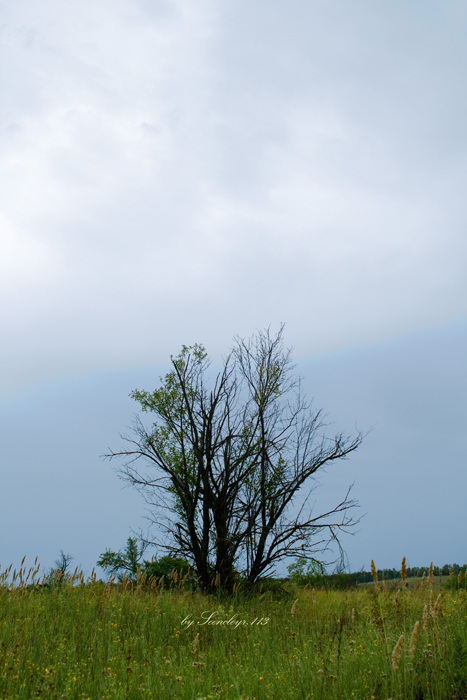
{"x":425,"y":617}
{"x":413,"y":639}
{"x":194,"y":646}
{"x":424,"y":581}
{"x":403,"y":574}
{"x":313,"y":595}
{"x":7,"y":574}
{"x":415,"y":581}
{"x":435,"y":607}
{"x":292,"y":612}
{"x":459,"y":578}
{"x":384,"y":584}
{"x":430,"y":575}
{"x":450,"y":573}
{"x":374,"y":573}
{"x":396,"y":654}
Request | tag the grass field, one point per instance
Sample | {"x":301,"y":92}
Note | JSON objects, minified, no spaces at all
{"x":87,"y":639}
{"x":410,"y":583}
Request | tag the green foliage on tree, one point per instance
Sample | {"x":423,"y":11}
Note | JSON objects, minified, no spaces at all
{"x":225,"y":458}
{"x":304,"y":571}
{"x":125,"y":562}
{"x":166,"y":565}
{"x":129,"y":562}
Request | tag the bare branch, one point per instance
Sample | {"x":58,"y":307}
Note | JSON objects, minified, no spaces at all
{"x":223,"y":466}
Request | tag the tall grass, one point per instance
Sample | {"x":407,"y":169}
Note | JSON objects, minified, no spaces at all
{"x":77,"y":638}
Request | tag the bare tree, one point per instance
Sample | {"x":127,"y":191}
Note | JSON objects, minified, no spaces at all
{"x":224,"y":464}
{"x":60,"y":571}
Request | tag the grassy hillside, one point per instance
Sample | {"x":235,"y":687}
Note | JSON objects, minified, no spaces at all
{"x":93,"y":640}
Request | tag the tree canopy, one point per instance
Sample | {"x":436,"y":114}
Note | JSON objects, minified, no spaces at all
{"x":226,"y":457}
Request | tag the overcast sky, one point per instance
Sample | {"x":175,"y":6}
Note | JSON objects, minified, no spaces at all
{"x":179,"y":172}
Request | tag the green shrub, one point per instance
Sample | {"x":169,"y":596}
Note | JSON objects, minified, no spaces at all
{"x":165,"y":566}
{"x":340,"y":581}
{"x":275,"y":587}
{"x":305,"y":571}
{"x":455,"y":583}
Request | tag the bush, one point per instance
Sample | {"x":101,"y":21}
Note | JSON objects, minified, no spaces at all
{"x":454,"y":584}
{"x":168,"y":567}
{"x":340,"y":581}
{"x":304,"y":571}
{"x":275,"y":587}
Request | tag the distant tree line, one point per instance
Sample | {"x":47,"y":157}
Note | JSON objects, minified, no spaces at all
{"x":389,"y":574}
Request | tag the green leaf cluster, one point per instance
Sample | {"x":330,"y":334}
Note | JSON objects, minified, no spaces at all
{"x":304,"y":571}
{"x":129,"y":562}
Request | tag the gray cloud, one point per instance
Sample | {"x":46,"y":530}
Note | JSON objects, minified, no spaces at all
{"x":175,"y":175}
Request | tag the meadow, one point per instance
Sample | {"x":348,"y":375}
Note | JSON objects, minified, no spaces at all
{"x":77,"y":639}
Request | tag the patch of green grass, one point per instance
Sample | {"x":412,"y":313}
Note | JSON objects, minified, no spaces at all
{"x":96,"y":641}
{"x":411,"y":583}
